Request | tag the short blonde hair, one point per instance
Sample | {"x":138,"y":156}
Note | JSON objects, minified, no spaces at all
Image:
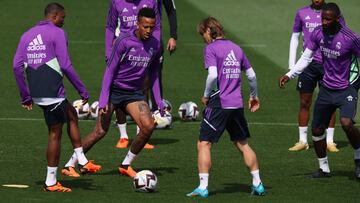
{"x":216,"y":29}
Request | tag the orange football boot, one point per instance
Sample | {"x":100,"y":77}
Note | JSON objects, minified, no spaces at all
{"x":70,"y":171}
{"x":89,"y":167}
{"x":128,"y":172}
{"x":56,"y":188}
{"x":122,"y":143}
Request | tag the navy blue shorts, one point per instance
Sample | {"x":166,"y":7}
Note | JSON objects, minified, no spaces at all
{"x":216,"y":120}
{"x":329,"y":100}
{"x":55,"y":113}
{"x":120,"y":98}
{"x":311,"y":76}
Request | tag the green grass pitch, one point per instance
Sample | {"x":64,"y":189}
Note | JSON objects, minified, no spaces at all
{"x":261,"y":27}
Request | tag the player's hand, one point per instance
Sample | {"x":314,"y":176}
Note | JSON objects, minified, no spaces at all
{"x":171,"y":45}
{"x":27,"y":106}
{"x":205,"y":100}
{"x":254,"y":104}
{"x":283,"y":80}
{"x":104,"y":110}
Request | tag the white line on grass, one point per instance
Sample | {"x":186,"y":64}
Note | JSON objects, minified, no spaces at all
{"x":178,"y":121}
{"x":241,"y":45}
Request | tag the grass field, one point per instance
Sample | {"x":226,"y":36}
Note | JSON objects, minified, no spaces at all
{"x":262,"y":28}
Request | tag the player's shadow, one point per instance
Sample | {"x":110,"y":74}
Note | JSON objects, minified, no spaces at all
{"x":162,"y":141}
{"x":342,"y":144}
{"x":85,"y":184}
{"x":349,"y":174}
{"x":159,"y":171}
{"x":234,"y":188}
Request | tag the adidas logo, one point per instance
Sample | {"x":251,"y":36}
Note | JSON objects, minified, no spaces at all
{"x":349,"y":98}
{"x":124,"y":10}
{"x":132,"y":49}
{"x":36,"y":44}
{"x":322,"y":41}
{"x":231,"y":60}
{"x":307,"y":18}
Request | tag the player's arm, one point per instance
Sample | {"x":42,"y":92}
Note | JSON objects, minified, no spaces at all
{"x":294,"y":42}
{"x":18,"y":69}
{"x":111,"y":23}
{"x":62,"y":55}
{"x":171,"y":14}
{"x":155,"y":81}
{"x":254,"y":102}
{"x":210,"y":83}
{"x":299,"y":67}
{"x":112,"y":66}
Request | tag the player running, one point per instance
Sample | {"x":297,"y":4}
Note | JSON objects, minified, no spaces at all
{"x":339,"y":48}
{"x":43,"y":55}
{"x":306,"y":20}
{"x":133,"y":57}
{"x":225,"y":61}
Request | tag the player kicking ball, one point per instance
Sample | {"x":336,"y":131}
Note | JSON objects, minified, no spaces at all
{"x":225,"y":61}
{"x":133,"y":58}
{"x":43,"y":55}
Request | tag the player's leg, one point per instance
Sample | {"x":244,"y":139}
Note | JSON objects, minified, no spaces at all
{"x":323,"y":109}
{"x":78,"y":156}
{"x":121,"y":123}
{"x":347,"y":113}
{"x":211,"y":128}
{"x":101,"y":127}
{"x":239,"y":133}
{"x":331,"y":145}
{"x":55,"y":116}
{"x":140,"y":112}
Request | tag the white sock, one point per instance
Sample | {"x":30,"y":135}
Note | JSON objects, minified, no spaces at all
{"x":204,"y":180}
{"x":137,"y":129}
{"x":82,"y":160}
{"x":303,"y":134}
{"x":73,"y":161}
{"x":324,"y":164}
{"x":51,"y":176}
{"x":122,"y":130}
{"x":330,"y":135}
{"x":129,"y":158}
{"x":256,"y":177}
{"x":357,"y":153}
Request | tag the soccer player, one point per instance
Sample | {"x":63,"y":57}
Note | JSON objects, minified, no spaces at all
{"x":42,"y":54}
{"x":225,"y":61}
{"x":338,"y":45}
{"x":122,"y":18}
{"x":131,"y":60}
{"x":306,"y":20}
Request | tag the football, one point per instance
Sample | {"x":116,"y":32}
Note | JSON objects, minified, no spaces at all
{"x":94,"y":109}
{"x":167,"y":105}
{"x":145,"y":181}
{"x":188,"y":111}
{"x":81,"y":110}
{"x":162,"y":121}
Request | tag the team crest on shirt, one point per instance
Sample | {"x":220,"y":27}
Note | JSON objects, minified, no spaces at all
{"x":318,"y":16}
{"x":338,"y":45}
{"x":134,"y":7}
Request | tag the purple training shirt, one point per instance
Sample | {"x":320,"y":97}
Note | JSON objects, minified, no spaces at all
{"x":337,"y":52}
{"x":125,"y":12}
{"x":43,"y":54}
{"x":230,"y":60}
{"x":130,"y":61}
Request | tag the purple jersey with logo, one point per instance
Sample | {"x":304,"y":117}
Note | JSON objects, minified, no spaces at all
{"x":125,"y":12}
{"x":130,"y":61}
{"x":43,"y":54}
{"x":230,"y":60}
{"x":306,"y":20}
{"x":337,"y":52}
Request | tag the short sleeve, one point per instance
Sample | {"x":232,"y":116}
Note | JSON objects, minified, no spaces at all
{"x":245,"y":63}
{"x":297,"y":23}
{"x":209,"y":57}
{"x":313,"y":41}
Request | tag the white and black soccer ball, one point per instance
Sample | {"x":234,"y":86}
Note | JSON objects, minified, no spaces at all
{"x":94,"y":109}
{"x":145,"y":181}
{"x":162,"y":121}
{"x":167,"y":105}
{"x":81,"y":110}
{"x":188,"y":111}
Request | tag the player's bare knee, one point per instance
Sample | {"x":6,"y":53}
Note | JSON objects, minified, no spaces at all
{"x":346,"y":124}
{"x":317,"y":133}
{"x":203,"y":145}
{"x":305,"y":104}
